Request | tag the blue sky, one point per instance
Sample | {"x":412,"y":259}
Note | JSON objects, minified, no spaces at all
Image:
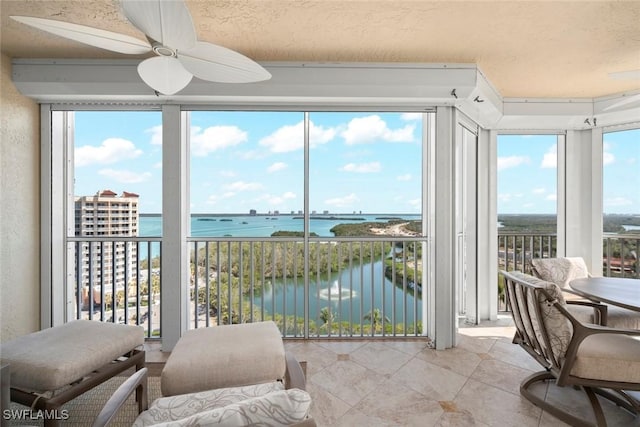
{"x":367,"y":162}
{"x":527,"y":168}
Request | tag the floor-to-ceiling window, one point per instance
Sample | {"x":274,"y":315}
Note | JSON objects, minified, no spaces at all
{"x":316,"y":220}
{"x":527,"y":193}
{"x":311,"y":220}
{"x":113,"y":212}
{"x":621,"y":202}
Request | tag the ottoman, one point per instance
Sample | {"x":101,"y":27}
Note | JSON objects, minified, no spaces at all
{"x":53,"y":366}
{"x":224,"y":356}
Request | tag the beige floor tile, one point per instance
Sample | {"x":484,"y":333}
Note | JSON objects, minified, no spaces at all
{"x":431,"y":380}
{"x":401,"y":406}
{"x":380,"y":358}
{"x":458,"y":360}
{"x":514,"y":354}
{"x":501,"y":375}
{"x":347,"y":380}
{"x":326,"y":409}
{"x":316,"y":356}
{"x":342,"y":347}
{"x":458,"y":419}
{"x":495,"y":407}
{"x":480,"y":344}
{"x":409,"y":347}
{"x":355,"y":418}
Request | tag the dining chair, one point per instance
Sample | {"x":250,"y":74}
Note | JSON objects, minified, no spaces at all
{"x":599,"y":360}
{"x":562,"y":271}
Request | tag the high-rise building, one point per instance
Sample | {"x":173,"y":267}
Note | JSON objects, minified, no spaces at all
{"x":110,"y":263}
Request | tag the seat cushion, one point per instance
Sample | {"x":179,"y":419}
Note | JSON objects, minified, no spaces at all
{"x":53,"y":358}
{"x":277,"y":408}
{"x":609,"y":357}
{"x":173,"y":408}
{"x":622,"y":318}
{"x":224,"y":356}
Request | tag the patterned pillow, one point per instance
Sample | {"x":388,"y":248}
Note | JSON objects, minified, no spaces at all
{"x":560,"y":270}
{"x":559,"y":329}
{"x":174,"y":408}
{"x":278,"y":408}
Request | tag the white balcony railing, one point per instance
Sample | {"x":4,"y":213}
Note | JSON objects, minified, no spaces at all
{"x":357,"y":287}
{"x":338,"y":288}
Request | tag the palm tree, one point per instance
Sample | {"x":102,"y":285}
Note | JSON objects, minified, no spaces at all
{"x":375,"y":317}
{"x":326,"y":315}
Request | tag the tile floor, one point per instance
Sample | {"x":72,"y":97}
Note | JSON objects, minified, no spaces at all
{"x":405,"y":383}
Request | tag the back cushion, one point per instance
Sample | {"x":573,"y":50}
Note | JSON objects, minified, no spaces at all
{"x":560,"y":270}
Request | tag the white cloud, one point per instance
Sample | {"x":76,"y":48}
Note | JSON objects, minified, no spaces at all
{"x":275,"y":200}
{"x":215,"y":138}
{"x":345,"y":201}
{"x":618,"y":201}
{"x":291,"y":137}
{"x":539,"y":191}
{"x":607,"y":157}
{"x":216,"y":198}
{"x":228,"y":174}
{"x":125,"y":176}
{"x":415,"y":202}
{"x":243,"y":186}
{"x":405,"y":177}
{"x":362,"y":167}
{"x":278,"y":166}
{"x":507,"y":197}
{"x":511,"y":162}
{"x":157,"y":165}
{"x":363,"y":130}
{"x":551,"y":197}
{"x":111,"y":150}
{"x":411,"y":116}
{"x":156,"y":134}
{"x":550,"y":159}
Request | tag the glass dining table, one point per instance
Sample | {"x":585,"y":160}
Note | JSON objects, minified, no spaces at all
{"x":622,"y":292}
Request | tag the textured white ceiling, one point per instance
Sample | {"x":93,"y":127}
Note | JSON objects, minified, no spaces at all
{"x":547,"y":49}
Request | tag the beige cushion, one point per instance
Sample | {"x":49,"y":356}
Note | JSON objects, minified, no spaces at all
{"x":610,"y":357}
{"x":278,"y":408}
{"x":53,"y":358}
{"x":558,"y":326}
{"x":174,"y":408}
{"x":224,"y":356}
{"x":560,"y":271}
{"x":622,"y":318}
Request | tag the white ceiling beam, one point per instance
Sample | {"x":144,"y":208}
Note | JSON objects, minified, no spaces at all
{"x":348,"y":86}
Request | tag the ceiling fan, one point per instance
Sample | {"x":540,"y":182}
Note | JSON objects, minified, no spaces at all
{"x":171,"y":35}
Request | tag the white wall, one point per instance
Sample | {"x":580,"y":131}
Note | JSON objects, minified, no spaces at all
{"x":19,"y":209}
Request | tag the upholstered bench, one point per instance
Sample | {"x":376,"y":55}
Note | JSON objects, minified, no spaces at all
{"x":52,"y":366}
{"x":224,"y":356}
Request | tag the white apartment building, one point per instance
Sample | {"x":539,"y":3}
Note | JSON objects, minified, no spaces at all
{"x":109,"y":263}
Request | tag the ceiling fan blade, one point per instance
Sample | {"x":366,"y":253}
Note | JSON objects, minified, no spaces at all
{"x":166,"y":21}
{"x":88,"y":35}
{"x":214,"y":63}
{"x":164,"y":74}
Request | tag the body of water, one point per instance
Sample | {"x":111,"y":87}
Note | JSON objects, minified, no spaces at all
{"x":350,"y":294}
{"x":262,"y":225}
